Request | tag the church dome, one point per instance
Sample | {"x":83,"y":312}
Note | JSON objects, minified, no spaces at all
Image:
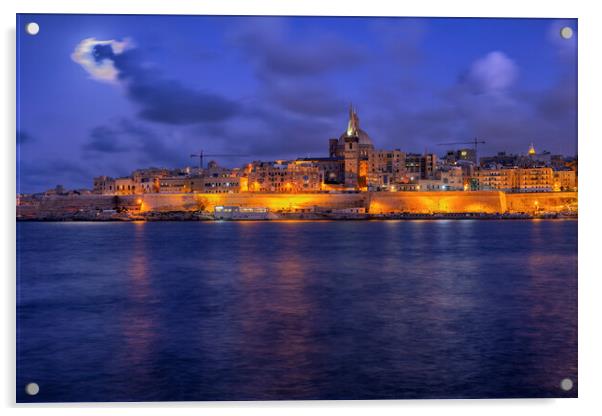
{"x":363,"y":137}
{"x":353,"y":130}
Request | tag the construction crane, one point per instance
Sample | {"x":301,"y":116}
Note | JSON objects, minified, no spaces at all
{"x":474,"y":142}
{"x":201,"y":155}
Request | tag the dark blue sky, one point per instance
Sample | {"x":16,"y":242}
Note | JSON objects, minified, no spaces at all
{"x":109,"y":94}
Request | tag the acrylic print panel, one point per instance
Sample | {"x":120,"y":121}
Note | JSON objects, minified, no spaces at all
{"x":281,"y":208}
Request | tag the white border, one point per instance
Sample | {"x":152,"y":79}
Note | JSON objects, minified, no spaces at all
{"x":590,"y":137}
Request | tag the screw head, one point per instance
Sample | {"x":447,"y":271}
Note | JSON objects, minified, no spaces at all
{"x":32,"y":389}
{"x":566,"y":32}
{"x":566,"y":384}
{"x":32,"y":28}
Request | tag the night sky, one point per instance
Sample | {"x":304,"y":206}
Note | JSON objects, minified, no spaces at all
{"x":109,"y":94}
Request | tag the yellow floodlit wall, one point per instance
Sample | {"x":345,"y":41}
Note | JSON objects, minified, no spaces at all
{"x":374,"y":202}
{"x":436,"y":202}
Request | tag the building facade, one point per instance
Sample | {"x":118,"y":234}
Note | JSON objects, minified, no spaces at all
{"x":565,"y":180}
{"x":452,"y":179}
{"x":284,"y":177}
{"x":422,"y":166}
{"x":386,"y":168}
{"x":104,"y":185}
{"x":174,"y":185}
{"x":540,"y":179}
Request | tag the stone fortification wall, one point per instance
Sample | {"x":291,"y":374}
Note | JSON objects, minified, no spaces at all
{"x":374,"y":202}
{"x":58,"y":205}
{"x":550,"y":201}
{"x":437,"y":202}
{"x":166,"y":202}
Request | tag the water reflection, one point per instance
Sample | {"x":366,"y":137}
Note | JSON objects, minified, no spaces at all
{"x":139,"y":331}
{"x":303,"y":310}
{"x":275,"y":329}
{"x":559,"y":304}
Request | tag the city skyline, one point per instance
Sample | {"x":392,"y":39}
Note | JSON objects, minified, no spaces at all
{"x":278,"y":88}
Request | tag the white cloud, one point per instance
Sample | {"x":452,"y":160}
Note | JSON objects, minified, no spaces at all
{"x":493,"y":73}
{"x":103,"y":70}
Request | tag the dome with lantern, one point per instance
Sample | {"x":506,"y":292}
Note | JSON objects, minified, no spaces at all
{"x":354,"y":130}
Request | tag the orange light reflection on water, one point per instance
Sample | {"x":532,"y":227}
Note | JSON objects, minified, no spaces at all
{"x":139,"y":331}
{"x":281,"y":303}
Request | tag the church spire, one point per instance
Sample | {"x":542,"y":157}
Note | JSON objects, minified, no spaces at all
{"x":353,"y":125}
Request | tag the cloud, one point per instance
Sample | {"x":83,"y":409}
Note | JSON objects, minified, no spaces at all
{"x":134,"y":142}
{"x":159,"y":99}
{"x":155,"y":147}
{"x":273,"y":50}
{"x":45,"y":173}
{"x":295,"y":69}
{"x":169,"y":102}
{"x":105,"y":139}
{"x":312,"y":98}
{"x":492,"y":73}
{"x":488,"y":103}
{"x":558,"y":102}
{"x":268,"y":134}
{"x":99,"y":65}
{"x":403,"y":40}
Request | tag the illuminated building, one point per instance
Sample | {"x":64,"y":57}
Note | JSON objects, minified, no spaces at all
{"x":125,"y":186}
{"x":284,"y":177}
{"x":217,"y":180}
{"x":332,"y":168}
{"x":122,"y":186}
{"x":565,"y":180}
{"x":353,"y":148}
{"x":219,"y":185}
{"x":385,"y":168}
{"x":351,"y":156}
{"x":535,"y":179}
{"x":539,"y":179}
{"x":362,"y":167}
{"x":306,"y":177}
{"x":530,"y":160}
{"x":147,"y":180}
{"x":452,"y":178}
{"x":535,"y":159}
{"x":421,"y":166}
{"x":449,"y":178}
{"x":147,"y":185}
{"x":174,"y":184}
{"x":452,"y":157}
{"x":503,"y":179}
{"x":353,"y":134}
{"x":103,"y":185}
